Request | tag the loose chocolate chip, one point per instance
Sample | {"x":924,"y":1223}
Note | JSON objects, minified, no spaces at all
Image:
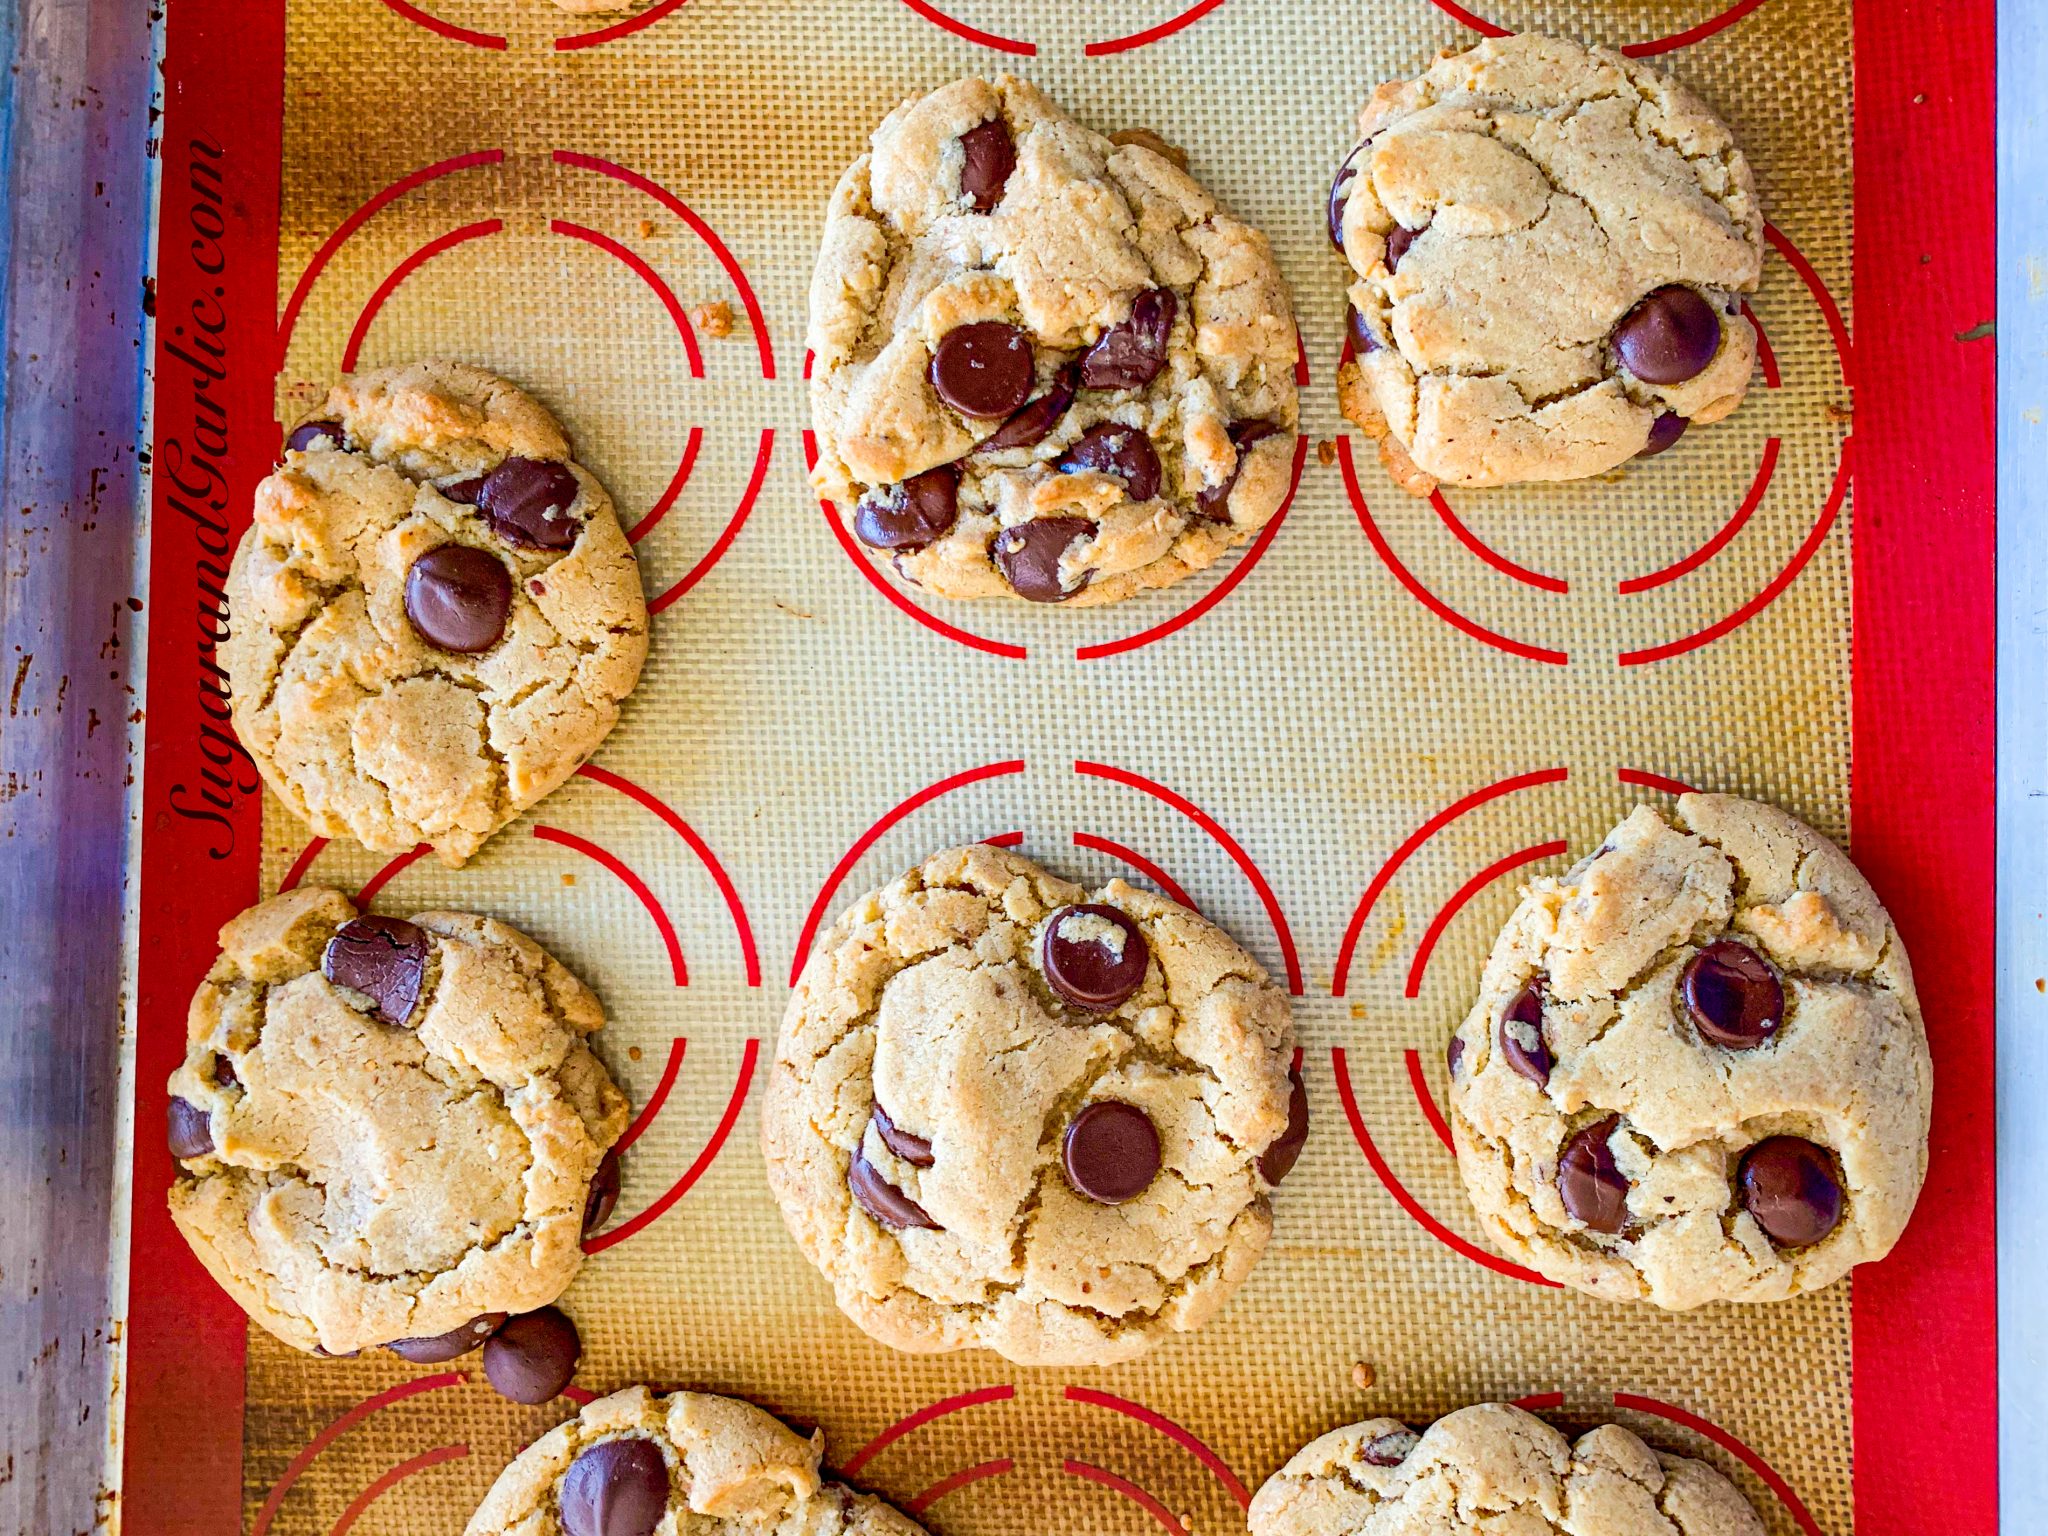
{"x":527,"y":502}
{"x":1667,"y":429}
{"x":1111,"y":1151}
{"x":1340,"y":194}
{"x":1278,"y":1160}
{"x":314,"y":434}
{"x":882,"y":1200}
{"x":603,"y":1198}
{"x":984,"y":369}
{"x":914,"y":1150}
{"x":1035,"y":421}
{"x":224,"y":1073}
{"x":1588,"y":1182}
{"x":1790,"y":1186}
{"x":1213,"y":502}
{"x":991,"y":155}
{"x":187,"y":1130}
{"x":384,"y":958}
{"x":910,"y":515}
{"x":616,"y":1488}
{"x":1094,"y":956}
{"x":1390,"y":1449}
{"x":1121,"y":452}
{"x":1670,"y":336}
{"x":1130,"y":355}
{"x":1454,"y":1054}
{"x":1028,"y":555}
{"x":1521,"y":1035}
{"x":463,"y":492}
{"x":432,"y":1349}
{"x":1362,"y":338}
{"x":531,"y":1358}
{"x":1732,"y":995}
{"x":1398,"y":241}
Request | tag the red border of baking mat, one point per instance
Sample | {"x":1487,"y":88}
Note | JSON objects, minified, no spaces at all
{"x":1921,"y":794}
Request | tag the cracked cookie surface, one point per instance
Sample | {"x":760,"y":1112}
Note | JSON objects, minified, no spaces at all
{"x":974,"y":1158}
{"x":1129,"y":413}
{"x":435,"y":616}
{"x":393,"y":1154}
{"x":1495,"y":1468}
{"x":1547,"y":245}
{"x":1696,"y":1070}
{"x":709,"y":1465}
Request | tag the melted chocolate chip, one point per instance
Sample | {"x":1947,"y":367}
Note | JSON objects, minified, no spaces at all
{"x":1588,"y":1181}
{"x":882,"y":1200}
{"x":458,"y":598}
{"x":1340,"y":194}
{"x":1130,"y":355}
{"x":1732,"y":995}
{"x":1792,"y":1189}
{"x":991,"y":154}
{"x":187,"y":1130}
{"x":224,"y":1073}
{"x":1278,"y":1160}
{"x":315,"y":434}
{"x":1398,"y":241}
{"x":911,"y":515}
{"x":1094,"y":956}
{"x":1034,"y":422}
{"x":1522,"y":1044}
{"x":1028,"y":555}
{"x":1213,"y":502}
{"x":1111,"y":1151}
{"x":914,"y":1150}
{"x":1121,"y":452}
{"x":1667,"y":429}
{"x":1454,"y":1054}
{"x":1362,"y":338}
{"x":603,"y":1198}
{"x":463,"y":492}
{"x":384,"y":958}
{"x":432,"y":1349}
{"x":1390,"y":1449}
{"x":527,"y":502}
{"x":1670,"y":336}
{"x":616,"y":1488}
{"x":531,"y":1358}
{"x":983,"y":370}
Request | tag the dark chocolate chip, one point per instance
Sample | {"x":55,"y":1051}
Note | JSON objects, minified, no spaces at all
{"x":224,"y":1073}
{"x":527,"y":502}
{"x":1028,"y":555}
{"x":432,"y":1349}
{"x":1521,"y":1035}
{"x":1670,"y":336}
{"x":1667,"y":429}
{"x":1790,"y":1186}
{"x":384,"y":958}
{"x":1390,"y":1449}
{"x":1111,"y":1151}
{"x":1213,"y":502}
{"x":1340,"y":194}
{"x":910,"y":515}
{"x":1454,"y":1054}
{"x":313,"y":434}
{"x":187,"y":1130}
{"x":984,"y":369}
{"x":1398,"y":241}
{"x":1094,"y":956}
{"x":1278,"y":1160}
{"x":603,"y":1198}
{"x":1589,"y":1183}
{"x":463,"y":492}
{"x":1035,"y":421}
{"x":914,"y":1150}
{"x":882,"y":1200}
{"x":1362,"y":338}
{"x":1732,"y":995}
{"x":1121,"y":452}
{"x":616,"y":1488}
{"x":991,"y":154}
{"x":1129,"y":355}
{"x":458,"y":598}
{"x":531,"y":1358}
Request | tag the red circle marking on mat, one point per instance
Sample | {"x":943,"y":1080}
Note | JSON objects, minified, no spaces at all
{"x":1464,"y":894}
{"x":1186,"y":1439}
{"x":1167,"y":28}
{"x":1491,"y":556}
{"x":1408,"y":1202}
{"x":659,"y":1097}
{"x":1536,"y":1401}
{"x":731,"y":531}
{"x":1230,"y":845}
{"x":383,"y":1485}
{"x":696,"y":1170}
{"x":633,"y":883}
{"x":1415,"y":840}
{"x":954,"y":1482}
{"x":447,"y":29}
{"x":1640,"y":50}
{"x":653,"y":279}
{"x":400,"y":273}
{"x":1734,"y":1447}
{"x":1699,"y":557}
{"x":390,"y":871}
{"x":301,"y":864}
{"x":816,"y":916}
{"x":1129,"y":1490}
{"x":568,"y":42}
{"x":341,"y":1426}
{"x":1146,"y":869}
{"x":1426,"y":1100}
{"x":960,"y":29}
{"x":1645,"y":780}
{"x":924,"y":1416}
{"x":1766,"y":359}
{"x":667,"y":499}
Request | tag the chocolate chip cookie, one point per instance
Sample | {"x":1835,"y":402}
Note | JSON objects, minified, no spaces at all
{"x":387,"y":1130}
{"x":435,"y":616}
{"x":1008,"y":1113}
{"x":1696,"y":1070}
{"x":1494,"y":1468}
{"x":1045,"y":365}
{"x":635,"y":1462}
{"x":1547,"y":245}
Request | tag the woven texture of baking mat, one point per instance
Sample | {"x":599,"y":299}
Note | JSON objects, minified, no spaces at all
{"x":1377,"y":667}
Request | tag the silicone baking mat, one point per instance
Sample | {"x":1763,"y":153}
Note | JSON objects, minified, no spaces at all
{"x":1347,"y":744}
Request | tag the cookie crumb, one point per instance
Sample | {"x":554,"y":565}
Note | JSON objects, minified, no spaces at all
{"x":1363,"y":1375}
{"x":646,"y":228}
{"x":1358,"y":1010}
{"x":1326,"y":452}
{"x":713,"y":320}
{"x":568,"y":878}
{"x":1147,"y":139}
{"x":1841,"y":413}
{"x":632,"y":1053}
